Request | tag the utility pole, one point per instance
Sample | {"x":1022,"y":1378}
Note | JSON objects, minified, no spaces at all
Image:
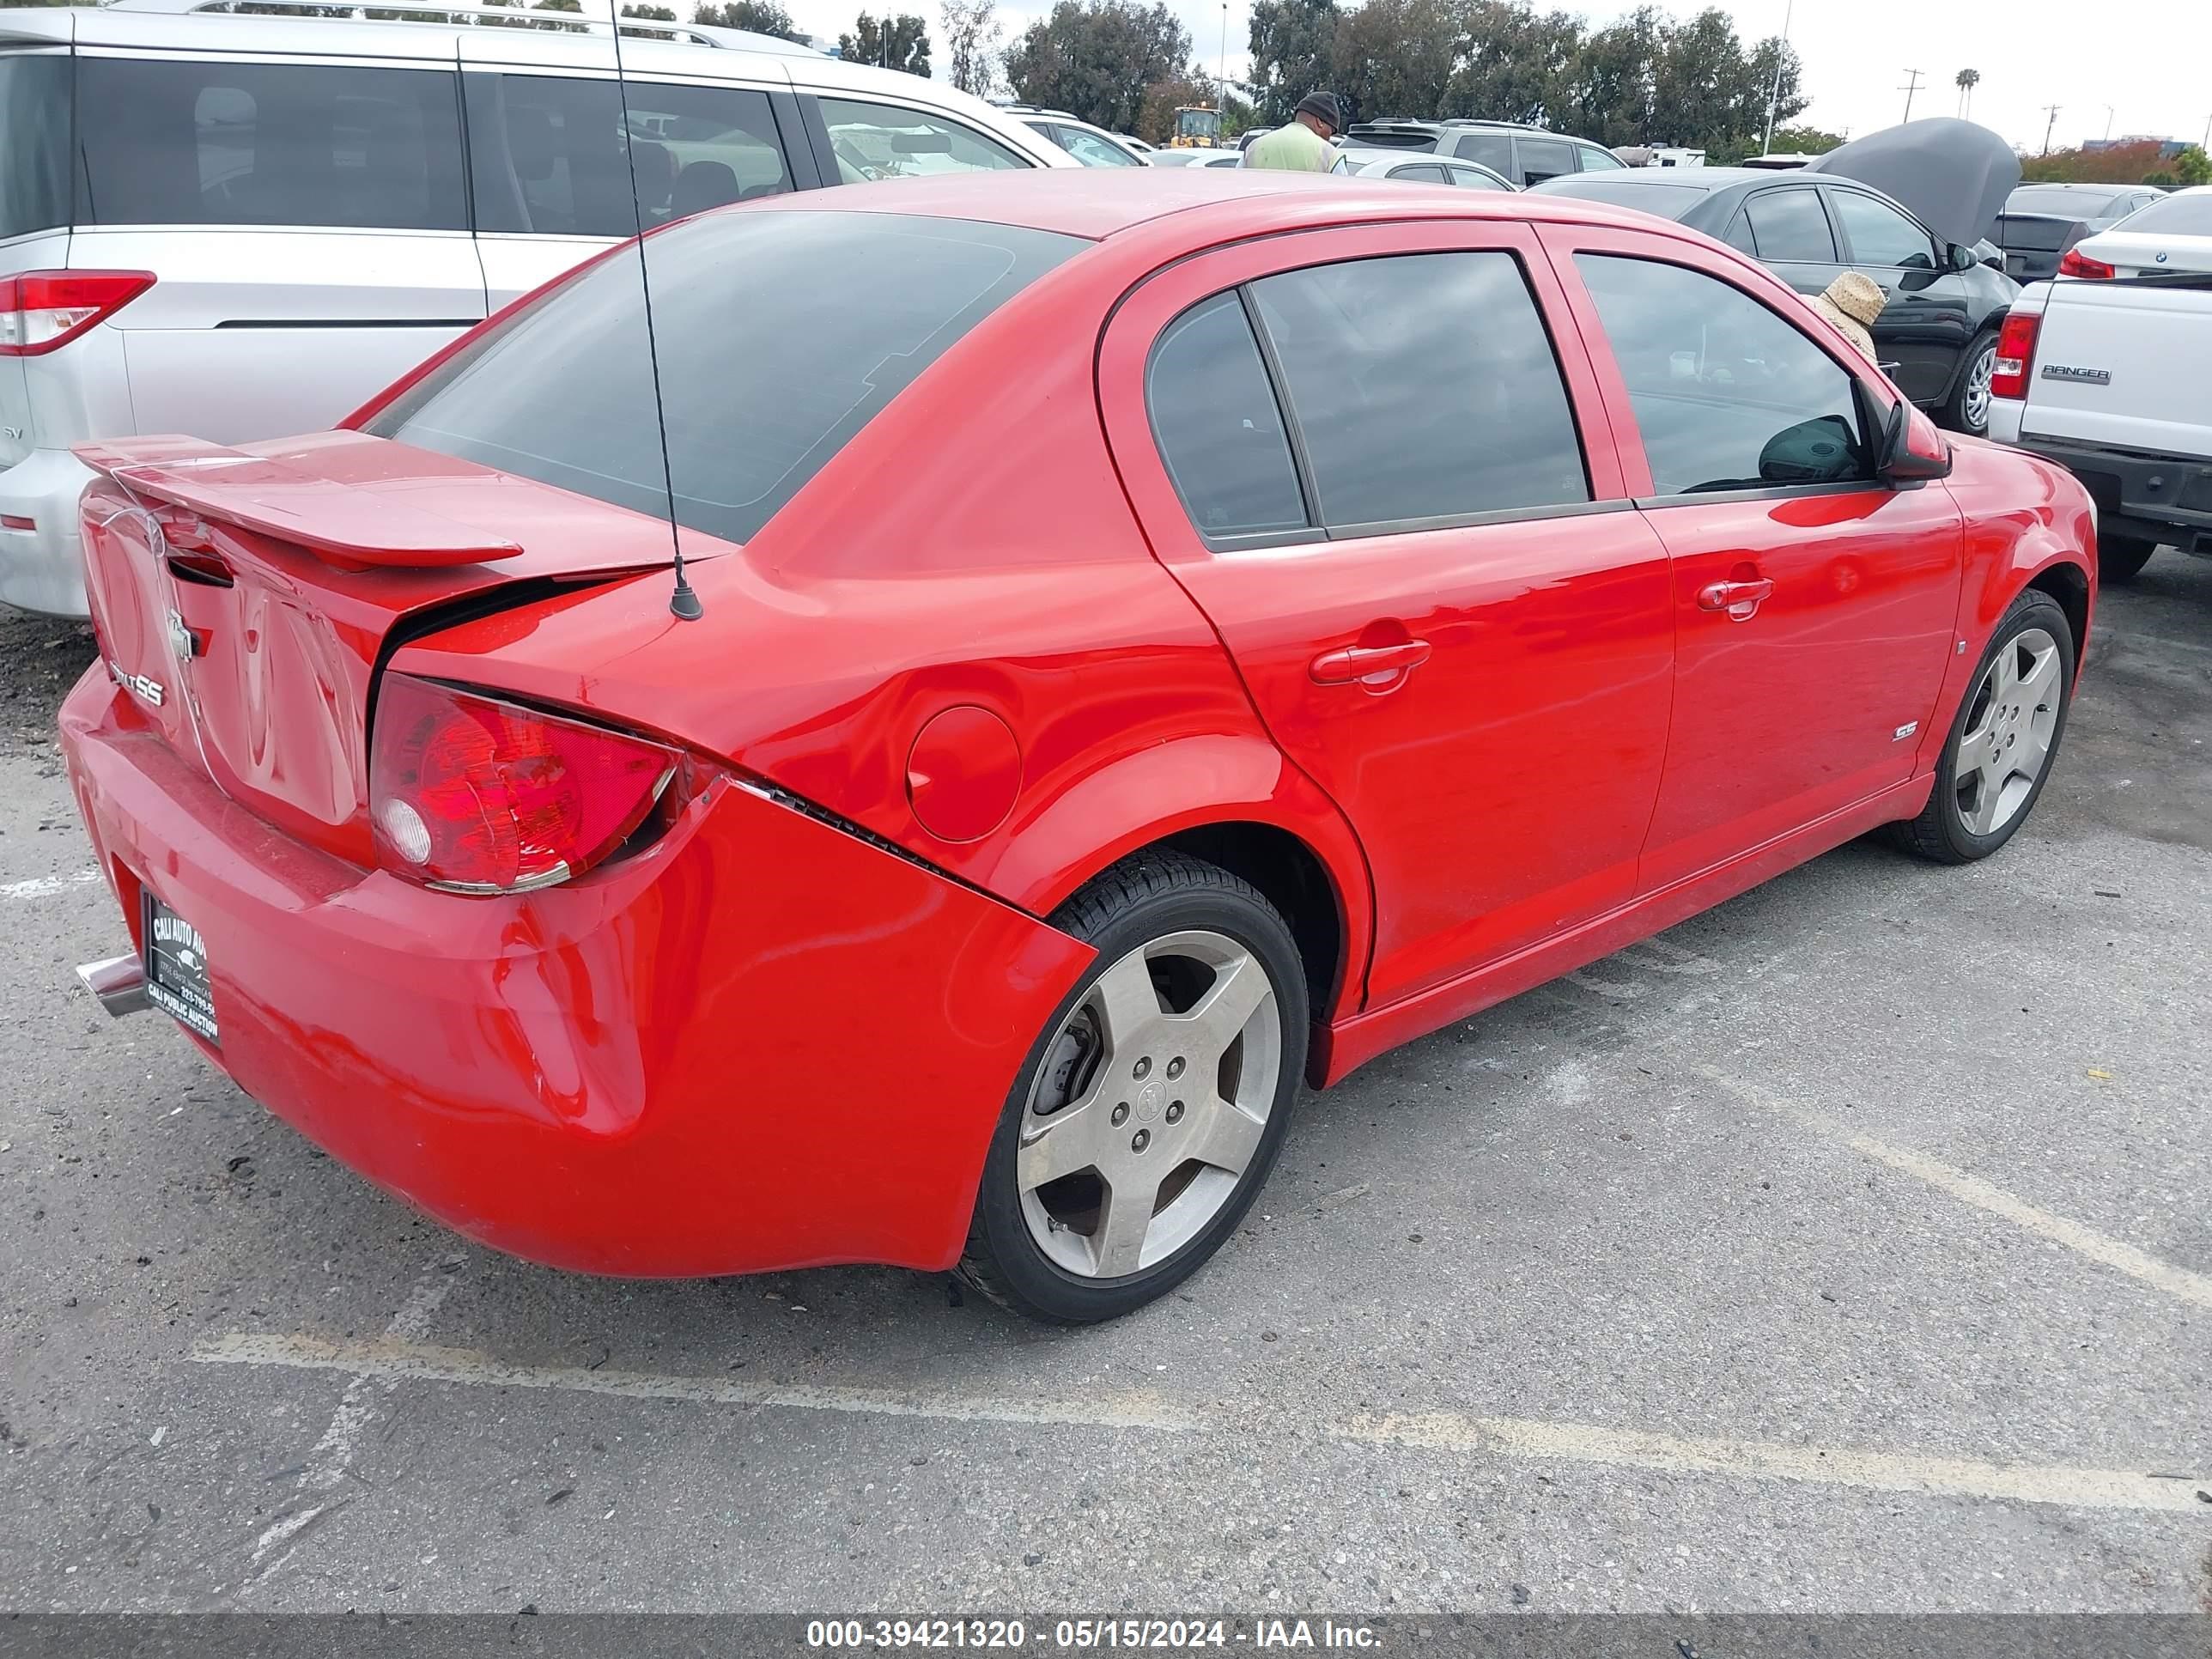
{"x":1908,"y":89}
{"x":1774,"y":97}
{"x":2052,"y":110}
{"x":1221,"y":86}
{"x":2108,"y":123}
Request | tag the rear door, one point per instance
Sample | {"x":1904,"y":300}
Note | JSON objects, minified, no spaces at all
{"x":1357,"y":450}
{"x":306,"y":218}
{"x":1540,"y":159}
{"x":1929,"y":320}
{"x":1812,"y":605}
{"x":1785,"y":228}
{"x":551,"y":161}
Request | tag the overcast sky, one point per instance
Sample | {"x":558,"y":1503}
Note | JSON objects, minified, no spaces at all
{"x":2146,"y":58}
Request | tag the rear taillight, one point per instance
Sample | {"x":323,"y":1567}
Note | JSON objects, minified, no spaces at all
{"x":2074,"y":263}
{"x":40,"y":310}
{"x":2015,"y":354}
{"x":475,"y":795}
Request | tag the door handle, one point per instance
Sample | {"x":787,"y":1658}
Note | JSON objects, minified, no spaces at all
{"x":1740,"y":600}
{"x":1368,"y":662}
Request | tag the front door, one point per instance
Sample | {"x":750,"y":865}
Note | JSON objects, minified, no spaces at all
{"x":1813,"y":606}
{"x":1929,"y":318}
{"x":1358,"y":452}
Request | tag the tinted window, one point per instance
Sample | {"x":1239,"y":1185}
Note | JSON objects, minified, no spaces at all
{"x":1424,"y":387}
{"x":550,"y":155}
{"x":35,"y":123}
{"x":1545,"y":158}
{"x":2175,"y":216}
{"x":1219,"y":431}
{"x":1425,"y":173}
{"x":888,"y":141}
{"x":1880,"y":235}
{"x":2071,"y":203}
{"x":1493,"y":149}
{"x":780,"y":334}
{"x":1596,"y":161}
{"x":1091,"y":150}
{"x":210,"y":144}
{"x":1727,"y":395}
{"x":1789,"y":224}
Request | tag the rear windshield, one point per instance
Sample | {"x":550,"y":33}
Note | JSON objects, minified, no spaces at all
{"x":2075,"y":203}
{"x":216,"y":144}
{"x":781,"y":335}
{"x":2174,"y":215}
{"x":1668,"y":201}
{"x":35,"y":123}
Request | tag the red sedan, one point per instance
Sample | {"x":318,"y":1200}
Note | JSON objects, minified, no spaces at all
{"x":1161,"y":639}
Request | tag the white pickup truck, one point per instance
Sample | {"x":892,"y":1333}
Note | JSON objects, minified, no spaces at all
{"x":2108,"y":371}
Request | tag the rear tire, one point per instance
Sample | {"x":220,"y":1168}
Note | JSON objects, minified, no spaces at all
{"x":1967,"y":409}
{"x":1152,"y":1104}
{"x":2120,"y":558}
{"x":2004,"y":740}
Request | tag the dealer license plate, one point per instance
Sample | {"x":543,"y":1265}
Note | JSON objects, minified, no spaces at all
{"x":176,"y":970}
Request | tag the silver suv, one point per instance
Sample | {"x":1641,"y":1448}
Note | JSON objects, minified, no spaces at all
{"x":272,"y":216}
{"x":1524,"y":156}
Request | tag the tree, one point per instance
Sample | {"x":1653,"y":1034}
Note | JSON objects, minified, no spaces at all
{"x":2193,"y":166}
{"x":651,"y":13}
{"x":761,"y":17}
{"x":899,"y":43}
{"x":1094,"y":58}
{"x":1805,"y":141}
{"x":1293,"y":53}
{"x":2114,"y":164}
{"x":1515,"y":63}
{"x":1966,"y":80}
{"x":971,"y":42}
{"x":1396,"y":57}
{"x":1156,"y":112}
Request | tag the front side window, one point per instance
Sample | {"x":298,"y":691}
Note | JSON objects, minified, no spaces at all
{"x":1546,"y":158}
{"x":1219,"y":430}
{"x":1424,"y":387}
{"x":888,"y":141}
{"x":217,"y":143}
{"x":1790,"y":226}
{"x":1091,"y":150}
{"x":552,"y":154}
{"x":781,"y":335}
{"x":1882,"y":235}
{"x":1727,"y":395}
{"x":34,"y":125}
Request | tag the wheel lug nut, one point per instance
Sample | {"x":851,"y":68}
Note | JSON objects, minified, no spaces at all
{"x":1175,"y":1067}
{"x":1142,"y":1139}
{"x":1175,"y":1111}
{"x":1120,"y":1114}
{"x":1141,"y":1067}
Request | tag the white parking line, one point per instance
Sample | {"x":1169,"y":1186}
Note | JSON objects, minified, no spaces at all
{"x":2191,"y":1287}
{"x":393,"y":1361}
{"x":38,"y":887}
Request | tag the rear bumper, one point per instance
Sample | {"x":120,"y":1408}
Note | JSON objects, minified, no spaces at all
{"x":2166,"y":498}
{"x":43,"y":568}
{"x":762,"y":1043}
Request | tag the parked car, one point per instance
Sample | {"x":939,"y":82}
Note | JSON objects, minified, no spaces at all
{"x":1418,"y":169}
{"x":2040,"y":223}
{"x":1937,"y":336}
{"x":1094,"y":147}
{"x":274,"y":216}
{"x":2105,"y":375}
{"x":1526,"y":156}
{"x":1062,"y":764}
{"x":1197,"y":158}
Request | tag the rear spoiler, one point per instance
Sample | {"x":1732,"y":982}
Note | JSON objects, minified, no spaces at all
{"x":343,"y":523}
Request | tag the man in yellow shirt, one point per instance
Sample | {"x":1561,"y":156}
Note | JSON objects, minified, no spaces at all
{"x":1302,"y":146}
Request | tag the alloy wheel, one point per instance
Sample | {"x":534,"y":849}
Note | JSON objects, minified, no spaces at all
{"x":1975,"y":404}
{"x":1150,"y":1105}
{"x":2009,"y":730}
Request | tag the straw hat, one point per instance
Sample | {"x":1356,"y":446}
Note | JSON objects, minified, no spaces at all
{"x":1852,"y":303}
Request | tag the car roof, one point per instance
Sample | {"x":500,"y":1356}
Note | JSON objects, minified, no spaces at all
{"x":1100,"y":203}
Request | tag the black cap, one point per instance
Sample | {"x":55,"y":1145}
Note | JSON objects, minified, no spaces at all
{"x":1323,"y":107}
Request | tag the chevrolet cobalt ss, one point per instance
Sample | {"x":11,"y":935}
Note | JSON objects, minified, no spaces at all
{"x":1160,"y":641}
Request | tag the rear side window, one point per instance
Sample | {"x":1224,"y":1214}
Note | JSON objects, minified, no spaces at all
{"x":781,"y":335}
{"x":549,"y":155}
{"x":1546,"y":158}
{"x":1424,"y":386}
{"x":1790,"y":225}
{"x":34,"y":124}
{"x":888,"y":141}
{"x":1424,"y":172}
{"x":1727,"y":395}
{"x":1493,"y":149}
{"x":217,"y":143}
{"x":1217,"y":426}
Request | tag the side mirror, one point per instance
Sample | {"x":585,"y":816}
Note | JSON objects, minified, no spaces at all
{"x":1963,"y":258}
{"x":1912,"y":450}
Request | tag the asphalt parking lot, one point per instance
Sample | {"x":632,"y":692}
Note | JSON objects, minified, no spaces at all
{"x":1847,"y":1248}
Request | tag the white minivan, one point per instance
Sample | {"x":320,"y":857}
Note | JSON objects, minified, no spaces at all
{"x":270,"y":217}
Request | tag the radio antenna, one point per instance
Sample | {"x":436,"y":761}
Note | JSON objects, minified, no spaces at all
{"x":682,"y":602}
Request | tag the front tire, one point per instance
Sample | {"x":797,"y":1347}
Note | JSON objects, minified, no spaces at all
{"x":1967,"y":409}
{"x":2004,"y":740}
{"x":2120,"y":558}
{"x":1154,"y":1102}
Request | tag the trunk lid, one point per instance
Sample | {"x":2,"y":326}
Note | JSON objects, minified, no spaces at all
{"x":246,"y":597}
{"x":2111,"y":365}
